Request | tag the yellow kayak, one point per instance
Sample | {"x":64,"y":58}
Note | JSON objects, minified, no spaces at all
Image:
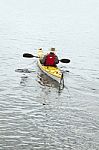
{"x":53,"y":72}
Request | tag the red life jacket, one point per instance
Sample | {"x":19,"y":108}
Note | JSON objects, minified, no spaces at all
{"x":50,"y":60}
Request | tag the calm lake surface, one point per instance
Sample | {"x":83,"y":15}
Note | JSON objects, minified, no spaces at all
{"x":34,"y":115}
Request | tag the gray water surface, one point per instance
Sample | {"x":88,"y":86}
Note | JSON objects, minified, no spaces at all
{"x":34,"y":115}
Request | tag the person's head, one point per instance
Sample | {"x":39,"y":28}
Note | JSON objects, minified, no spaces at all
{"x":52,"y":50}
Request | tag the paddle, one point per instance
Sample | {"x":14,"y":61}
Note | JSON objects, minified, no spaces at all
{"x":27,"y":55}
{"x":64,"y":60}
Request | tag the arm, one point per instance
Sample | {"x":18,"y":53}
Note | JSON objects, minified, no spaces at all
{"x":43,"y":59}
{"x":56,"y":60}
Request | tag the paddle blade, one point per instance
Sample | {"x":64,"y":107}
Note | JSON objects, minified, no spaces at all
{"x":28,"y":55}
{"x":64,"y":60}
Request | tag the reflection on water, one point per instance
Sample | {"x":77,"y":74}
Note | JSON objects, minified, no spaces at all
{"x":24,"y":70}
{"x":24,"y":79}
{"x":46,"y":81}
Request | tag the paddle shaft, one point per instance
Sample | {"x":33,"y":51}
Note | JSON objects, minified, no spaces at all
{"x":27,"y":55}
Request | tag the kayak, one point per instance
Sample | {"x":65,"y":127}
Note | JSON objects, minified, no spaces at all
{"x":52,"y":72}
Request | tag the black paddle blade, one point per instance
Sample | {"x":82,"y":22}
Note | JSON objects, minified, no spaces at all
{"x":28,"y":55}
{"x":64,"y":60}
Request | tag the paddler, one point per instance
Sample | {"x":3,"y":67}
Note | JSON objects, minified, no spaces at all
{"x":50,"y":59}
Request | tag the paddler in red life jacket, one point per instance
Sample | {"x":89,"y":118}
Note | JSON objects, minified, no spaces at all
{"x":50,"y":59}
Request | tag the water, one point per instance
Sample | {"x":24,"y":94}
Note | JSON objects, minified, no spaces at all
{"x":33,"y":115}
